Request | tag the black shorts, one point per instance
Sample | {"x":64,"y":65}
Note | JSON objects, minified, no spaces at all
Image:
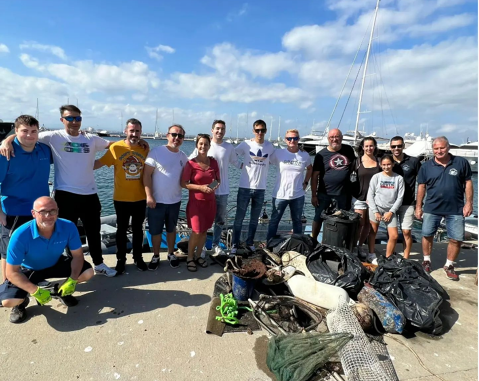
{"x":13,"y":222}
{"x":62,"y":269}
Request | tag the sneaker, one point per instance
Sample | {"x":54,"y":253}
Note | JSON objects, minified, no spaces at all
{"x":154,"y":263}
{"x":426,"y":265}
{"x":234,"y":250}
{"x":252,"y":248}
{"x":103,"y":269}
{"x":450,"y":273}
{"x":18,"y":313}
{"x":218,"y":251}
{"x":68,"y":300}
{"x":371,"y":258}
{"x":120,"y":266}
{"x":140,"y":264}
{"x":174,"y":262}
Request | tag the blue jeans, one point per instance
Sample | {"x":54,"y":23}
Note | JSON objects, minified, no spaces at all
{"x":242,"y":201}
{"x":454,"y":225}
{"x":279,"y":206}
{"x":220,"y":219}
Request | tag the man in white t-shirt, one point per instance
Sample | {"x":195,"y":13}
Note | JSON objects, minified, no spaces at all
{"x":291,"y":183}
{"x":75,"y":188}
{"x":256,"y":154}
{"x":225,"y":154}
{"x":161,"y":178}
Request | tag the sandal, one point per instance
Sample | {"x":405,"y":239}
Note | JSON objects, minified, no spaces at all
{"x":201,"y":262}
{"x":191,"y":265}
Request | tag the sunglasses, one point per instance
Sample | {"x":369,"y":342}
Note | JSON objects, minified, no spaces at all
{"x":260,"y":131}
{"x":72,"y":118}
{"x":175,"y":135}
{"x":292,"y":138}
{"x":398,"y":146}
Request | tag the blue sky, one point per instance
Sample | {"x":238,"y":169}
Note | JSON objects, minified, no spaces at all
{"x":241,"y":61}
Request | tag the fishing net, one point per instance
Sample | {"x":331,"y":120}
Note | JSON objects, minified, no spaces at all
{"x":361,"y":360}
{"x":297,"y":356}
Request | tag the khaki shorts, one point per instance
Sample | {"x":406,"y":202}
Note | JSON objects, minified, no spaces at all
{"x":405,"y":216}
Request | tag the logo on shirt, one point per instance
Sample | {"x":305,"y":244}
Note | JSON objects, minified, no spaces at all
{"x":453,"y":172}
{"x":132,"y":167}
{"x":406,"y":168}
{"x":339,"y":162}
{"x":293,"y":162}
{"x":386,"y":184}
{"x":258,"y":158}
{"x":76,"y":147}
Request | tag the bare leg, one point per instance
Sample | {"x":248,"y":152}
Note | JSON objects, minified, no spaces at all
{"x":453,"y":249}
{"x":156,"y":240}
{"x":316,"y":229}
{"x":170,"y":240}
{"x":393,"y":238}
{"x":86,"y":275}
{"x":193,"y":243}
{"x":10,"y":303}
{"x":363,"y":225}
{"x":427,"y":245}
{"x":407,"y":244}
{"x":372,"y":235}
{"x":201,"y":243}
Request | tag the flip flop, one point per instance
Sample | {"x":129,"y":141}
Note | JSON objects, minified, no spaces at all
{"x":191,"y":265}
{"x":201,"y":262}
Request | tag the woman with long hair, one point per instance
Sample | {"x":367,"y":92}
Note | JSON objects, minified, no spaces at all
{"x":201,"y":176}
{"x":365,"y":166}
{"x":386,"y":191}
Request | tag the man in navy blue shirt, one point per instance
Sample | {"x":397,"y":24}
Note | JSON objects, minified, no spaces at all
{"x":35,"y":253}
{"x":23,"y":179}
{"x":445,"y":178}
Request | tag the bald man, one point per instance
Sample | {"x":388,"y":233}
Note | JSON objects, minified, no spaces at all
{"x":330,"y":180}
{"x":35,"y":254}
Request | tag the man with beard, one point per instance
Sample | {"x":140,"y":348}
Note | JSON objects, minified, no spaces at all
{"x":129,"y":198}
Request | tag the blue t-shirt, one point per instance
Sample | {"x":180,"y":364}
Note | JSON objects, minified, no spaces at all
{"x":445,"y":185}
{"x":29,"y":249}
{"x":24,"y":178}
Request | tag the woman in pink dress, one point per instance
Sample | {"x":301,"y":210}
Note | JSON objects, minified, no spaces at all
{"x":201,"y":176}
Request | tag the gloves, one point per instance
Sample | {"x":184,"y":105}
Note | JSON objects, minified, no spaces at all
{"x":68,"y":287}
{"x":42,"y":296}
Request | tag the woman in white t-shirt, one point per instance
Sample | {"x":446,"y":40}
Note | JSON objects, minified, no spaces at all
{"x":290,"y":183}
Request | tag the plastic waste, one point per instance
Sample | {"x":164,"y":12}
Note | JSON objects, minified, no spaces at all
{"x":298,"y":261}
{"x":301,"y":243}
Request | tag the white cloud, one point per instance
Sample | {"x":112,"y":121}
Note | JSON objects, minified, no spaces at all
{"x":153,"y":52}
{"x":440,"y":25}
{"x":4,"y":48}
{"x":55,"y":50}
{"x":238,"y":13}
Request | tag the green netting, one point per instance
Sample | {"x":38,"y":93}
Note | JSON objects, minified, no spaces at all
{"x":297,"y":356}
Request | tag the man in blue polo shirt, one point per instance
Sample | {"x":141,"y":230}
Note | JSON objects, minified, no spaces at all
{"x":35,"y":254}
{"x":445,"y":178}
{"x":23,"y":179}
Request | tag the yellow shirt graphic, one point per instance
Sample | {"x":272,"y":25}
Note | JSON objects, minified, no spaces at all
{"x":129,"y":163}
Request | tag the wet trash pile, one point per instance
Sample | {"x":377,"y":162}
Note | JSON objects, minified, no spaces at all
{"x":325,"y":310}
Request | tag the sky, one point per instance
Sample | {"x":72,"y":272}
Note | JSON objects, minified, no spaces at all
{"x":282,"y":61}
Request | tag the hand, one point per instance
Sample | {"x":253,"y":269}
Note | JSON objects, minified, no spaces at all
{"x":151,"y":202}
{"x":68,"y":287}
{"x":42,"y":296}
{"x":467,"y":210}
{"x":377,"y":216}
{"x":418,"y":213}
{"x":6,"y":149}
{"x":305,"y":185}
{"x":143,"y":144}
{"x":206,"y":189}
{"x":387,"y":216}
{"x":314,"y":201}
{"x":3,"y":218}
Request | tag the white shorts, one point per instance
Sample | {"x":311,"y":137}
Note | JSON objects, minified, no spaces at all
{"x":405,"y":216}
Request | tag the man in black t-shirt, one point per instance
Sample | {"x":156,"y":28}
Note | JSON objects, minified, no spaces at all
{"x":330,"y":180}
{"x":408,"y":167}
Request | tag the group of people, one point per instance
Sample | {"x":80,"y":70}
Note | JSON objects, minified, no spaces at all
{"x":384,"y":190}
{"x":37,"y":229}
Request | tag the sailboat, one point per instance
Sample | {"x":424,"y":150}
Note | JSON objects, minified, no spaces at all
{"x":157,"y":135}
{"x":279,"y":142}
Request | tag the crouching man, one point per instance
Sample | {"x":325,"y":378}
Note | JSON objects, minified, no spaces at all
{"x":35,"y":254}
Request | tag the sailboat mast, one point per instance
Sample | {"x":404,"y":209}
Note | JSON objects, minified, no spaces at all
{"x":270,"y":128}
{"x":365,"y":71}
{"x":156,"y":122}
{"x":279,"y":129}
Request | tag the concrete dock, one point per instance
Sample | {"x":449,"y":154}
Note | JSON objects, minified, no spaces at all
{"x":151,"y":326}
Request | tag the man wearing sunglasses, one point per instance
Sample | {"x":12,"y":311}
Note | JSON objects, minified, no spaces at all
{"x":161,"y":178}
{"x":75,"y":188}
{"x":35,"y":253}
{"x":23,"y":179}
{"x":408,"y":167}
{"x":330,"y":180}
{"x":291,"y":183}
{"x":256,"y":155}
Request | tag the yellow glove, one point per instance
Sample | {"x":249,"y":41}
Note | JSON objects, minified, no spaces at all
{"x":42,"y":296}
{"x":68,"y":287}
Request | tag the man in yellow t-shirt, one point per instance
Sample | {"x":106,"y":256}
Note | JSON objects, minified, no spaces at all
{"x":129,"y":196}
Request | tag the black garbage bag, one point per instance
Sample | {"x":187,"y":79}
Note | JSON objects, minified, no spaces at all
{"x":414,"y":292}
{"x":333,"y":210}
{"x":338,"y":267}
{"x":301,"y":243}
